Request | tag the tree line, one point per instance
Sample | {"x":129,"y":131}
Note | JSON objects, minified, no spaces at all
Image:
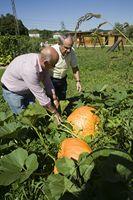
{"x":8,"y":27}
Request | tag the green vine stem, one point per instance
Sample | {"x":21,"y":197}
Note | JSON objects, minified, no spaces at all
{"x":42,"y":141}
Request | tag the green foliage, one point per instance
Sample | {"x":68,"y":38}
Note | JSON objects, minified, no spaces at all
{"x":91,"y":172}
{"x":107,"y":173}
{"x":118,"y":26}
{"x":125,"y":28}
{"x":97,"y":68}
{"x":46,"y":34}
{"x":56,"y":186}
{"x":8,"y":25}
{"x":12,"y":46}
{"x":65,"y":166}
{"x":17,"y":166}
{"x":129,"y":31}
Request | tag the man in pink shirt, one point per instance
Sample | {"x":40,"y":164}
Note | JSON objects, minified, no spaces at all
{"x":21,"y":81}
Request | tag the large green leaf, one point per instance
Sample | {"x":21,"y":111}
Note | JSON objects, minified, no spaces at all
{"x":8,"y":129}
{"x":111,"y":164}
{"x":57,"y":185}
{"x":30,"y":115}
{"x":5,"y":116}
{"x":86,"y":165}
{"x":63,"y":105}
{"x":107,"y":151}
{"x":66,"y":166}
{"x":17,"y":166}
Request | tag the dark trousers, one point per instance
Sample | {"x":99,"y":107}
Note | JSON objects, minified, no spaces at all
{"x":60,"y":86}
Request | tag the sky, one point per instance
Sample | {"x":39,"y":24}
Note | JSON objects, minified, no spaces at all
{"x":48,"y":14}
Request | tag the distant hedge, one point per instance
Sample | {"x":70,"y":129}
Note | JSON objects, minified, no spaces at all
{"x":12,"y":46}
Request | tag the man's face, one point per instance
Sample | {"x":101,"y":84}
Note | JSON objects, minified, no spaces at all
{"x":49,"y":64}
{"x":66,"y":46}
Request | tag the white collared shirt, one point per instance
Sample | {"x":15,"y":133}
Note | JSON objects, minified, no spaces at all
{"x":61,"y":67}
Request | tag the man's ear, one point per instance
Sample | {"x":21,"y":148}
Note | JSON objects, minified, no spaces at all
{"x":45,"y":62}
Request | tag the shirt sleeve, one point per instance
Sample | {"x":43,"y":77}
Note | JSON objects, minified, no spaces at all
{"x":73,"y":61}
{"x":31,"y":79}
{"x":49,"y":88}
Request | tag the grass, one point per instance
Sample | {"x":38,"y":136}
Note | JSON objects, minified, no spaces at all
{"x":1,"y":71}
{"x":99,"y":68}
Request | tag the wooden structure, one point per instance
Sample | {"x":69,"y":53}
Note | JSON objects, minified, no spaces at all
{"x":80,"y":40}
{"x":119,"y":42}
{"x":90,"y":39}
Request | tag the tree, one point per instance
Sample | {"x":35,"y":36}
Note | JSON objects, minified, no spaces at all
{"x":125,"y":28}
{"x":8,"y":25}
{"x":118,"y":26}
{"x":46,"y":34}
{"x":129,"y":31}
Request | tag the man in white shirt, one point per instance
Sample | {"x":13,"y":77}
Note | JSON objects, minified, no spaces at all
{"x":21,"y":81}
{"x":67,"y":58}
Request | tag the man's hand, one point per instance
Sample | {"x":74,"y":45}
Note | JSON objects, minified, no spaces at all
{"x":56,"y":103}
{"x":78,"y":85}
{"x":52,"y":110}
{"x":55,"y":100}
{"x":77,"y":78}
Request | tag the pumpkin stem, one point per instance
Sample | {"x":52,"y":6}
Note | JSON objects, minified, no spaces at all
{"x":68,"y":130}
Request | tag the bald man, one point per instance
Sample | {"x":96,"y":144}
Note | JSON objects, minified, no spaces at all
{"x":21,"y":81}
{"x":67,"y":58}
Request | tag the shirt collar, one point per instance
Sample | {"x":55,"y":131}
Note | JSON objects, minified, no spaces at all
{"x":38,"y":64}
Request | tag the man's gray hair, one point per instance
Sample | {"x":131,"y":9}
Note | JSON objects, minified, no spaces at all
{"x":45,"y":53}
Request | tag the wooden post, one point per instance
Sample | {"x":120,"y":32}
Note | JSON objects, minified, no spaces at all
{"x":81,"y":40}
{"x":97,"y":39}
{"x":116,"y":44}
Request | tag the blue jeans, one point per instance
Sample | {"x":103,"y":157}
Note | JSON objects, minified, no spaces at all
{"x":17,"y":102}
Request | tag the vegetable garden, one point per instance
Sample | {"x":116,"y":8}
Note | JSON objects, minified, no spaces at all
{"x":30,"y":143}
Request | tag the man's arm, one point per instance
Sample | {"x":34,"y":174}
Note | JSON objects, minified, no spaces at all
{"x":75,"y":69}
{"x":77,"y":78}
{"x":49,"y":88}
{"x":34,"y":86}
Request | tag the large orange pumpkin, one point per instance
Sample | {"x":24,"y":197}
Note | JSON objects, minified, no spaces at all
{"x":72,"y":148}
{"x":84,"y":121}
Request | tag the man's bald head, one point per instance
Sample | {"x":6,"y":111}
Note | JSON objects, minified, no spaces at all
{"x":49,"y":56}
{"x":66,"y":39}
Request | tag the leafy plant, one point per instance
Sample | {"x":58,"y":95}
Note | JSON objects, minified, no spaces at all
{"x":17,"y":166}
